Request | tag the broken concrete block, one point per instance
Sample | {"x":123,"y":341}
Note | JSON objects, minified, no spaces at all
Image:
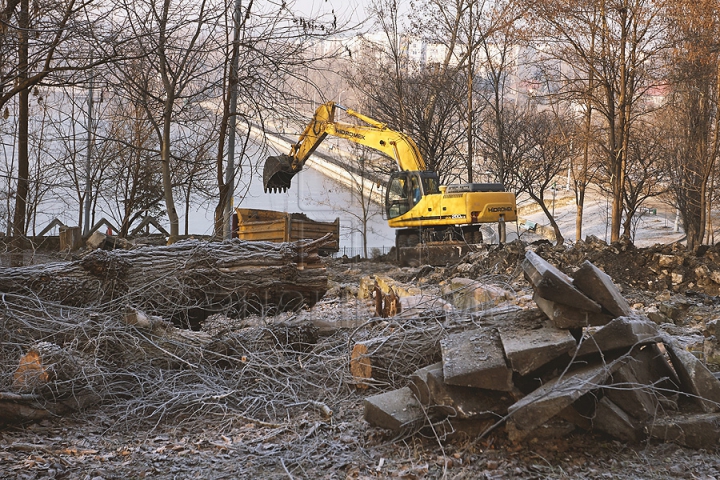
{"x":95,"y":240}
{"x":640,"y":400}
{"x":466,"y":402}
{"x":611,"y":419}
{"x":622,"y":332}
{"x":651,"y":366}
{"x":598,"y":285}
{"x":695,"y":378}
{"x":547,"y":401}
{"x":567,"y":317}
{"x":552,"y":284}
{"x":472,"y":295}
{"x":396,"y":410}
{"x":419,"y":382}
{"x":689,"y":430}
{"x":528,"y":350}
{"x":418,"y":305}
{"x":475,"y":358}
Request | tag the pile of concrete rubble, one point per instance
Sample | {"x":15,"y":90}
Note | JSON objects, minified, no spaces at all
{"x":583,"y":360}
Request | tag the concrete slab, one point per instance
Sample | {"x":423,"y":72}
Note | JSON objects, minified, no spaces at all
{"x":419,"y":382}
{"x":552,"y":284}
{"x":564,"y":316}
{"x":466,"y":402}
{"x":640,"y":400}
{"x":652,"y":367}
{"x":547,"y":401}
{"x":695,"y":378}
{"x":598,"y":285}
{"x":528,"y":350}
{"x":689,"y":430}
{"x":475,"y":358}
{"x":396,"y":410}
{"x":620,"y":333}
{"x":613,"y":420}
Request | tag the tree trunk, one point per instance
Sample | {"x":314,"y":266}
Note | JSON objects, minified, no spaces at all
{"x":185,"y":282}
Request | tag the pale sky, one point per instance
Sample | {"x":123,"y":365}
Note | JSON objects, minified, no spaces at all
{"x":353,"y":10}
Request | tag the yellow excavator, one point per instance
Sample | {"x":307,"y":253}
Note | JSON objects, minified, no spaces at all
{"x":416,"y":204}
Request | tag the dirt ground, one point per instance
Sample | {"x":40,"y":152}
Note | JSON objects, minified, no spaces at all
{"x":299,"y":440}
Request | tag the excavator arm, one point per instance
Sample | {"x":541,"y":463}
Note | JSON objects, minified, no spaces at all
{"x":279,"y":170}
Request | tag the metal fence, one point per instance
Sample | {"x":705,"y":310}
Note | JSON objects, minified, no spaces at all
{"x":350,"y":252}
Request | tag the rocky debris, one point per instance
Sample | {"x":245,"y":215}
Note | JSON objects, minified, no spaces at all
{"x":468,"y":294}
{"x":610,"y":369}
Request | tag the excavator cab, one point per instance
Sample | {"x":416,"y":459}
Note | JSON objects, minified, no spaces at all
{"x":405,"y":189}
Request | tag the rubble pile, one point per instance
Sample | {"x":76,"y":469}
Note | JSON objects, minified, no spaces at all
{"x":586,"y":361}
{"x":654,"y":269}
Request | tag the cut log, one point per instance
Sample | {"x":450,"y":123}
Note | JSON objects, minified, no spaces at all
{"x":44,"y":364}
{"x":49,"y":380}
{"x":390,"y":359}
{"x":187,"y":280}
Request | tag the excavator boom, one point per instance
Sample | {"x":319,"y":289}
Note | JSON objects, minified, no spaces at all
{"x":279,"y":170}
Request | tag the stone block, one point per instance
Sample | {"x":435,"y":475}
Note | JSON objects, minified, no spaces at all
{"x":465,"y":402}
{"x":567,"y":317}
{"x":552,"y":284}
{"x":475,"y":358}
{"x":598,"y":285}
{"x":695,"y":378}
{"x":419,"y":382}
{"x":622,"y":332}
{"x":613,"y":420}
{"x":396,"y":410}
{"x":528,"y":350}
{"x":689,"y":430}
{"x":553,"y":397}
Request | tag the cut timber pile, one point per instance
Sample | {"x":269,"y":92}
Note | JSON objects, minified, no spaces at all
{"x":109,"y":357}
{"x":593,"y":364}
{"x":190,"y":277}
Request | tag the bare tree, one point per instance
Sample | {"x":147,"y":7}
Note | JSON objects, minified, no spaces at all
{"x":545,"y":153}
{"x":173,"y":44}
{"x":616,"y":44}
{"x":646,"y":173}
{"x":693,"y":133}
{"x":42,"y":45}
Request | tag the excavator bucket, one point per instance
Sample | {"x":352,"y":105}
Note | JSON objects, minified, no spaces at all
{"x":277,"y":173}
